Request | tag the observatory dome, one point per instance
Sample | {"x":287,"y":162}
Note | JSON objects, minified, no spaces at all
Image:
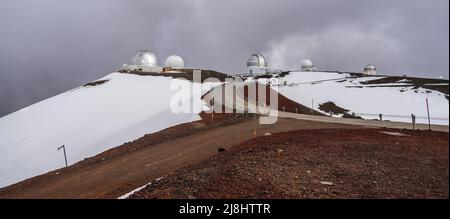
{"x":370,"y":68}
{"x":257,"y":60}
{"x":174,"y":61}
{"x":307,"y":63}
{"x":144,"y":58}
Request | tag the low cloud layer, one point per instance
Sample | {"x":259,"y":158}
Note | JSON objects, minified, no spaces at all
{"x":50,"y":46}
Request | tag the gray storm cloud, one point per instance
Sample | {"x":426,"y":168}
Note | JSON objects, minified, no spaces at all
{"x":50,"y":46}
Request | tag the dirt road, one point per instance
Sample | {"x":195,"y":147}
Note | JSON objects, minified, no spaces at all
{"x":240,"y":100}
{"x":119,"y":174}
{"x":361,"y":122}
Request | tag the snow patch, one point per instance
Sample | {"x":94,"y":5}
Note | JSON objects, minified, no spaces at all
{"x":137,"y":189}
{"x":396,"y":101}
{"x":87,"y":120}
{"x":394,"y":134}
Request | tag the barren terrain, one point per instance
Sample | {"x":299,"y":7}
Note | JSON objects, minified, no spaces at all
{"x":326,"y":163}
{"x":124,"y":168}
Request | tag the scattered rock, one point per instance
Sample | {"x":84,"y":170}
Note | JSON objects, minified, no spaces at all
{"x":267,"y":134}
{"x":326,"y":183}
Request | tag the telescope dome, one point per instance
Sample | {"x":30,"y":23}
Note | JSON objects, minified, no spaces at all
{"x":174,"y":61}
{"x":369,"y":68}
{"x":257,"y":60}
{"x":144,"y":58}
{"x":307,"y":63}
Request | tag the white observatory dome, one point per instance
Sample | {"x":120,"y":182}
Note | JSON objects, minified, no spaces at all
{"x":257,"y":60}
{"x":307,"y":63}
{"x":174,"y":61}
{"x":370,"y":68}
{"x":144,"y":58}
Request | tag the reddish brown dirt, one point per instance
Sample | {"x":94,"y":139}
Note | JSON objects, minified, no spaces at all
{"x":363,"y":163}
{"x":284,"y":103}
{"x":124,"y":168}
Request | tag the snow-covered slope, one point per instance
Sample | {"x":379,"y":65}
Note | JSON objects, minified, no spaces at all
{"x":396,"y":101}
{"x":87,"y":120}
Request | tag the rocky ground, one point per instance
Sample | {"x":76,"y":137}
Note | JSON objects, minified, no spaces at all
{"x":327,"y":163}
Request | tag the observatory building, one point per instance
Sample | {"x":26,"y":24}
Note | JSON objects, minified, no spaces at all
{"x":143,"y":61}
{"x":174,"y":61}
{"x":307,"y":65}
{"x":257,"y":65}
{"x":173,"y":64}
{"x":370,"y":70}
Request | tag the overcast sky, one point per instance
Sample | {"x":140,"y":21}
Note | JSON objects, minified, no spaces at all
{"x":50,"y":46}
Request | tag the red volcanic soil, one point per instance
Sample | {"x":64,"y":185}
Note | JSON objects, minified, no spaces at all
{"x":326,"y":163}
{"x":284,"y":104}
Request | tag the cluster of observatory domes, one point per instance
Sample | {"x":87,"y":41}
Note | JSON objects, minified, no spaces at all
{"x":146,"y":61}
{"x":146,"y":58}
{"x":257,"y":64}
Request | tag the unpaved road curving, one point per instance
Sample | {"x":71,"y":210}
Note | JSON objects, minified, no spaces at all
{"x":240,"y":100}
{"x":116,"y":175}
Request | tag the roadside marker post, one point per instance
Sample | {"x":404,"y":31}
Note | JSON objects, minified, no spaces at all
{"x":413,"y":118}
{"x":212,"y":115}
{"x":64,"y":150}
{"x":428,"y":112}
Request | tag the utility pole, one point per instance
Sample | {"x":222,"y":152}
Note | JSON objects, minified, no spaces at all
{"x":413,"y":117}
{"x":428,"y":112}
{"x":312,"y":106}
{"x":65,"y":156}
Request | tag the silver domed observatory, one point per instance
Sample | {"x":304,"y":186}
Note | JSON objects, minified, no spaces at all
{"x":257,"y":60}
{"x":257,"y":65}
{"x":143,"y":61}
{"x":144,"y":58}
{"x":370,"y":70}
